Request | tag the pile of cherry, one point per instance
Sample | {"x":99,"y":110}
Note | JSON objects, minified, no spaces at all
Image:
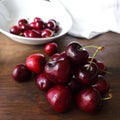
{"x":35,"y":29}
{"x":68,"y":77}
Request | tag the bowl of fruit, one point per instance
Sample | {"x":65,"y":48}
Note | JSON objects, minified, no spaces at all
{"x":33,"y":22}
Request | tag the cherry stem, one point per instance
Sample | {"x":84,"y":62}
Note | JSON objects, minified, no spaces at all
{"x":108,"y":97}
{"x":98,"y":48}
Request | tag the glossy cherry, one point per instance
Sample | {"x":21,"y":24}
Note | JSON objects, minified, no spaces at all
{"x":87,"y":73}
{"x":33,"y":34}
{"x":37,"y":25}
{"x":21,"y":73}
{"x":51,"y":24}
{"x":37,"y":19}
{"x":46,"y":33}
{"x":102,"y":68}
{"x":36,"y":62}
{"x":43,"y":83}
{"x":102,"y":85}
{"x":51,"y":48}
{"x":60,"y":98}
{"x":22,"y":21}
{"x":15,"y":30}
{"x":89,"y":100}
{"x":58,"y":71}
{"x":76,"y":54}
{"x":24,"y":27}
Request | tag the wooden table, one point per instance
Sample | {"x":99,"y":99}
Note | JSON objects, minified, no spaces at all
{"x":23,"y":101}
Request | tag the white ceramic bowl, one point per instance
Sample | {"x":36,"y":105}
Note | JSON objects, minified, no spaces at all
{"x":13,"y":10}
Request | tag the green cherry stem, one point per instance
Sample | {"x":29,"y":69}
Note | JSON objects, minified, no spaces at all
{"x":108,"y":97}
{"x":98,"y":48}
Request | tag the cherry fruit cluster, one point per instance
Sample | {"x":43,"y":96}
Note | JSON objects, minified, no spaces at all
{"x":36,"y":29}
{"x":67,"y":77}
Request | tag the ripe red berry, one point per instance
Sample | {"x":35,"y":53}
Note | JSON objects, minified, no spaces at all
{"x":50,"y":48}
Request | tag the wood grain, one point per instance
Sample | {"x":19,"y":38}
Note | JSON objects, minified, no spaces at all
{"x":23,"y":101}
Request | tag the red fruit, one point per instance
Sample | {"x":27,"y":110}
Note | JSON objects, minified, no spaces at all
{"x":22,"y":21}
{"x":59,"y":97}
{"x":15,"y":30}
{"x":43,"y":83}
{"x":36,"y":62}
{"x":50,"y":48}
{"x":24,"y":27}
{"x":47,"y":33}
{"x":101,"y":84}
{"x":33,"y":34}
{"x":58,"y":71}
{"x":76,"y":54}
{"x":89,"y":100}
{"x":37,"y":19}
{"x":86,"y":74}
{"x":21,"y":73}
{"x":51,"y":24}
{"x":102,"y":68}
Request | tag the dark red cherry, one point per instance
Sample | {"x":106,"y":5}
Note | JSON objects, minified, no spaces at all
{"x":51,"y":48}
{"x":24,"y":27}
{"x":86,"y":73}
{"x":33,"y":34}
{"x":51,"y":24}
{"x":60,"y":98}
{"x":58,"y":71}
{"x":22,"y":21}
{"x":89,"y":100}
{"x":102,"y":85}
{"x":15,"y":30}
{"x":36,"y":63}
{"x":47,"y":33}
{"x":102,"y":68}
{"x":76,"y":54}
{"x":21,"y":73}
{"x":37,"y":19}
{"x":43,"y":83}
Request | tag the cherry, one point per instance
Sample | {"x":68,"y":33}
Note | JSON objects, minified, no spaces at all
{"x":46,"y":33}
{"x":89,"y":100}
{"x":36,"y":62}
{"x":22,"y":21}
{"x":76,"y":54}
{"x":58,"y":71}
{"x":60,"y":98}
{"x":37,"y":19}
{"x":102,"y":67}
{"x":50,"y":48}
{"x":51,"y":24}
{"x":15,"y":30}
{"x":43,"y":83}
{"x":102,"y":85}
{"x":33,"y":34}
{"x":86,"y":73}
{"x":21,"y":73}
{"x":37,"y":25}
{"x":24,"y":27}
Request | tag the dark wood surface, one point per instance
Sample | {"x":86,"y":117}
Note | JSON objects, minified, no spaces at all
{"x":23,"y":101}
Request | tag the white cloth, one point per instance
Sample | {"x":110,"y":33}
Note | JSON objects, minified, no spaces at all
{"x":93,"y":17}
